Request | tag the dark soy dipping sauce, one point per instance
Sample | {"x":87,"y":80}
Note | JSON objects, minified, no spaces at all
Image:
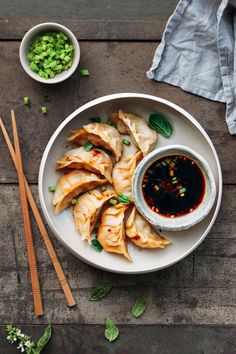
{"x":173,"y":186}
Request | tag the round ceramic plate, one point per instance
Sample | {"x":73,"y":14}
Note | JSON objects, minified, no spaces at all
{"x":186,"y":131}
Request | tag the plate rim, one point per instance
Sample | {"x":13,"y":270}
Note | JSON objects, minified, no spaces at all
{"x":109,"y":98}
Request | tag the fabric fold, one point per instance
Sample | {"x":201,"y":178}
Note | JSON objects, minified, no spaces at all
{"x":198,"y":52}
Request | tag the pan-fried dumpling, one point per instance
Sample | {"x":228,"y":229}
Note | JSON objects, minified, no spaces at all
{"x":95,"y":160}
{"x":100,"y":134}
{"x":123,"y":171}
{"x":111,"y":231}
{"x":114,"y":117}
{"x":143,"y":136}
{"x":141,"y":233}
{"x":87,"y":209}
{"x":71,"y":184}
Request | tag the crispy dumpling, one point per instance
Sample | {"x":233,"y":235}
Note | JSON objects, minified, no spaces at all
{"x":143,"y":136}
{"x":87,"y":209}
{"x":111,"y":231}
{"x":95,"y":160}
{"x":100,"y":134}
{"x":140,"y":232}
{"x":71,"y":184}
{"x":114,"y":117}
{"x":123,"y":171}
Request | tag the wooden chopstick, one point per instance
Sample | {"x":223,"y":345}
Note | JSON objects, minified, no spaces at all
{"x":38,"y":307}
{"x":53,"y":256}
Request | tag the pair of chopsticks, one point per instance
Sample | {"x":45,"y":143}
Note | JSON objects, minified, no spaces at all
{"x":25,"y":193}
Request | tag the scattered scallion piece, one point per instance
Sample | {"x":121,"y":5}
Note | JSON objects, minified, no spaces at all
{"x":112,"y":124}
{"x":84,"y":72}
{"x":26,"y":100}
{"x":96,"y":245}
{"x":113,"y":201}
{"x":50,"y":54}
{"x":73,"y":201}
{"x":95,"y":119}
{"x":44,"y":109}
{"x":103,"y":188}
{"x":126,"y":141}
{"x":88,"y":147}
{"x":52,"y":188}
{"x":124,"y":199}
{"x":182,"y":190}
{"x":46,"y":98}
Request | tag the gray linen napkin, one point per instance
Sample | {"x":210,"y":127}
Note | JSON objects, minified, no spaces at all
{"x":198,"y":52}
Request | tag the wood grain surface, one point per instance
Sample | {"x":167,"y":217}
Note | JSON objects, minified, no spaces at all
{"x":191,"y":305}
{"x":93,"y":20}
{"x":110,"y":73}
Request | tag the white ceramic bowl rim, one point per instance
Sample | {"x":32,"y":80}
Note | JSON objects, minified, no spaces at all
{"x":109,"y":98}
{"x":31,"y":34}
{"x":187,"y":220}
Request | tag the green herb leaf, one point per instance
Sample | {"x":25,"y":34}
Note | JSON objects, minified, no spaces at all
{"x":95,"y":119}
{"x":101,"y":291}
{"x":97,"y":245}
{"x":111,"y":331}
{"x":26,"y":100}
{"x":52,"y":188}
{"x":44,"y":339}
{"x":126,"y":141}
{"x":139,"y":307}
{"x":44,"y":109}
{"x":113,"y":201}
{"x":124,"y":199}
{"x":112,"y":124}
{"x":158,"y":122}
{"x":84,"y":72}
{"x":88,"y":147}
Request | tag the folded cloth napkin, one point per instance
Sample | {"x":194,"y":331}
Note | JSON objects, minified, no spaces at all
{"x":198,"y":52}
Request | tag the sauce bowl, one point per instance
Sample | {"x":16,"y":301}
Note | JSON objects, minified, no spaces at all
{"x":181,"y":222}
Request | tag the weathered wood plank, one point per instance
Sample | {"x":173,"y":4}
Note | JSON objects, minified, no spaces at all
{"x":96,"y":20}
{"x":79,"y":339}
{"x":110,"y":73}
{"x":201,"y":289}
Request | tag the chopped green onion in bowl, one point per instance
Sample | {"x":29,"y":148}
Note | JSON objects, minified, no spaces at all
{"x":50,"y":54}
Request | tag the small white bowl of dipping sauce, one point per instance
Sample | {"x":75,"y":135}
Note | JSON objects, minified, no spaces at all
{"x":174,"y":188}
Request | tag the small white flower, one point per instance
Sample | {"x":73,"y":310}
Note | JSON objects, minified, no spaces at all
{"x":28,"y":343}
{"x":21,"y":347}
{"x":15,"y":339}
{"x":22,"y":335}
{"x":18,"y":332}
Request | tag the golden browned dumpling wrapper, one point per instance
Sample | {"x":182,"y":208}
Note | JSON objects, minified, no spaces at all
{"x":140,"y":232}
{"x":100,"y":134}
{"x":95,"y":160}
{"x":72,"y":184}
{"x":123,"y":171}
{"x":87,"y":209}
{"x":143,"y":136}
{"x":111,"y":231}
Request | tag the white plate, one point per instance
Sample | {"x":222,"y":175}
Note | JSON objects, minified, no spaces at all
{"x":186,"y":131}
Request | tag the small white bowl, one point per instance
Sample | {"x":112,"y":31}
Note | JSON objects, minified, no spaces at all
{"x":40,"y":29}
{"x":180,"y":222}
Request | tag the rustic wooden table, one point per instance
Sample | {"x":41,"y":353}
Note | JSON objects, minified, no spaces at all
{"x":192,"y":305}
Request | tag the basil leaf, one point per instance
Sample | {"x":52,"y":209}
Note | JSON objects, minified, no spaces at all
{"x":139,"y":307}
{"x":111,"y":331}
{"x":124,"y":199}
{"x":158,"y":122}
{"x":97,"y":245}
{"x":100,"y":291}
{"x":44,"y":339}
